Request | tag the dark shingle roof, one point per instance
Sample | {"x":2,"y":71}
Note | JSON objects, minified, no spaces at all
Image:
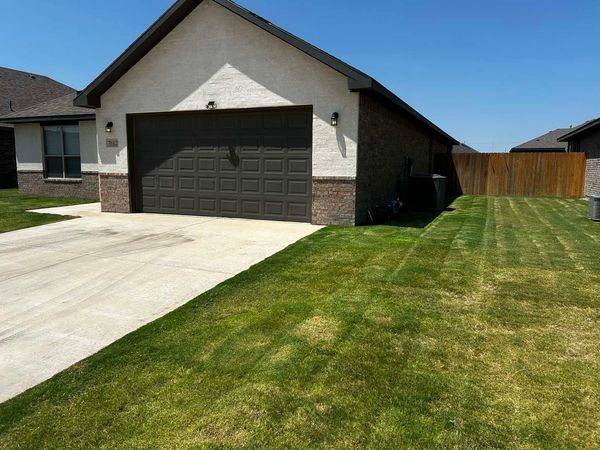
{"x":583,"y":128}
{"x":21,"y":90}
{"x":545,"y":143}
{"x":463,"y":148}
{"x":60,"y":108}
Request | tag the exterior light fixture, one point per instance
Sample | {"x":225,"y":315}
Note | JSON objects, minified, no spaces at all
{"x":211,"y":105}
{"x":109,"y":127}
{"x":334,"y":119}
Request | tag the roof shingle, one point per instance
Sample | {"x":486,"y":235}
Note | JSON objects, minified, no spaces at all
{"x":545,"y":143}
{"x":57,"y":108}
{"x":20,"y":90}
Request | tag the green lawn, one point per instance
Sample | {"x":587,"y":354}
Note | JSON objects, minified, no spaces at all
{"x":480,"y":330}
{"x":14,"y":206}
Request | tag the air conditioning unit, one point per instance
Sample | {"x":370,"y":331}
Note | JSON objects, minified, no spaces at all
{"x":595,"y":208}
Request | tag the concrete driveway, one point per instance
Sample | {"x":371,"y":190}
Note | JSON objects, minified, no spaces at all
{"x":69,"y":289}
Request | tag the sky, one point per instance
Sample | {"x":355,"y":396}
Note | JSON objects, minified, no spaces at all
{"x":492,"y":73}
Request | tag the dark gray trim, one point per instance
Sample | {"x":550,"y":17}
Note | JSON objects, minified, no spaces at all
{"x":357,"y":80}
{"x":53,"y":119}
{"x":579,"y":130}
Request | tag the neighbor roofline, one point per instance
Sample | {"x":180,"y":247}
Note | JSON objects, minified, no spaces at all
{"x":71,"y":117}
{"x":538,"y":149}
{"x":90,"y":97}
{"x":579,"y":130}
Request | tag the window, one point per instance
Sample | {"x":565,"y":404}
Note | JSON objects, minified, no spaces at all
{"x":61,"y":151}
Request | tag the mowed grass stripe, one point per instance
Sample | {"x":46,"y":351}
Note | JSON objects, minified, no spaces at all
{"x":479,"y":330}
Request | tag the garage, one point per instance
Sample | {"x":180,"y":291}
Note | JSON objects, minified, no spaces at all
{"x":253,"y":164}
{"x":215,"y":111}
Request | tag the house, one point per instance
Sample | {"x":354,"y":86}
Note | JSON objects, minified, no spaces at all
{"x":546,"y":143}
{"x":463,"y":148}
{"x":20,"y":90}
{"x":57,"y":153}
{"x":586,"y":138}
{"x":215,"y":111}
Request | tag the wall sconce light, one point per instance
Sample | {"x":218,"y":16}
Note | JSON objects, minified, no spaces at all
{"x":109,"y":127}
{"x":211,"y":105}
{"x":334,"y":119}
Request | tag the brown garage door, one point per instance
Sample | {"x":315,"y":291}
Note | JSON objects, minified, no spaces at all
{"x":254,"y":164}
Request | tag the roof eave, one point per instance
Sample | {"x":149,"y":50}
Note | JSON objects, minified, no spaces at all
{"x":577,"y":131}
{"x":69,"y":117}
{"x":377,"y":88}
{"x":90,"y":96}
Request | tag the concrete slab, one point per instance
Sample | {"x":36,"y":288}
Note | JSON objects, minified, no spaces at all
{"x":71,"y":288}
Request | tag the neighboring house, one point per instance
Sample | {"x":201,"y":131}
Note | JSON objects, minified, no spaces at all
{"x":586,"y":138}
{"x":463,"y":148}
{"x":546,"y":143}
{"x":215,"y":111}
{"x":18,"y":91}
{"x":57,"y":153}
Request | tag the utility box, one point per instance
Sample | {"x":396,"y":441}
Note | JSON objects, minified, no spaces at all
{"x":595,"y":208}
{"x":427,"y":192}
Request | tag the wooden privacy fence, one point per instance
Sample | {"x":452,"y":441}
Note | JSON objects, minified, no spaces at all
{"x":517,"y":174}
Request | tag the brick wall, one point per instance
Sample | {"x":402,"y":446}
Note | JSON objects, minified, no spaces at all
{"x":386,"y":138}
{"x":34,"y":183}
{"x":334,"y":201}
{"x":592,"y":177}
{"x":590,"y":144}
{"x":8,"y":161}
{"x":114,"y":193}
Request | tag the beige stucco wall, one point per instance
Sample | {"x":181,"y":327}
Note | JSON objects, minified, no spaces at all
{"x":216,"y":55}
{"x":30,"y":148}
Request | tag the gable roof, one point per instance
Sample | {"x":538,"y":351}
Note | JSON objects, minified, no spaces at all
{"x":463,"y":148}
{"x":357,"y":80}
{"x":57,"y":109}
{"x":546,"y":143}
{"x":20,"y":90}
{"x":577,"y":131}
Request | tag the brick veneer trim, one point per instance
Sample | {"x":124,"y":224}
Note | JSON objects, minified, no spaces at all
{"x":334,"y":201}
{"x":114,"y":193}
{"x":34,"y":183}
{"x":592,"y":177}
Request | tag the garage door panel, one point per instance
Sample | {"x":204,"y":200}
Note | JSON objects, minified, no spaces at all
{"x":229,"y":206}
{"x":187,"y":183}
{"x":207,"y":206}
{"x":166,"y":183}
{"x":274,"y":187}
{"x":298,"y":187}
{"x":274,"y":209}
{"x":297,"y":210}
{"x":228,"y":185}
{"x":187,"y":204}
{"x":298,"y":167}
{"x":167,"y":165}
{"x":186,"y":164}
{"x":251,"y":207}
{"x":251,"y":186}
{"x":207,"y":184}
{"x":250,"y":165}
{"x":207,"y":164}
{"x":226,"y":165}
{"x":167,"y":202}
{"x":150,"y":201}
{"x":254,"y":164}
{"x":149,"y":181}
{"x":274,"y":166}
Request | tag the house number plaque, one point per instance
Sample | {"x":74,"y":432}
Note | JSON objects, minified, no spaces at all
{"x":112,"y":143}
